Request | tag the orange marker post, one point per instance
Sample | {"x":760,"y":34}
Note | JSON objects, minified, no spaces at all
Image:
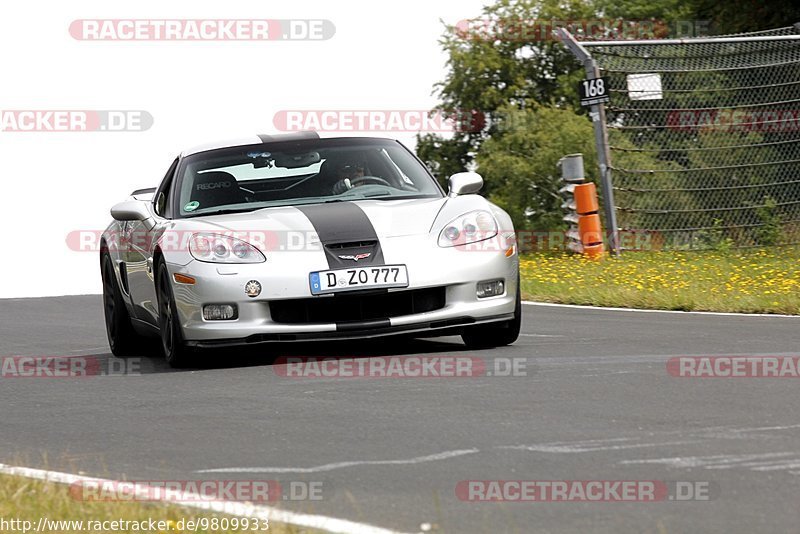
{"x":589,"y":227}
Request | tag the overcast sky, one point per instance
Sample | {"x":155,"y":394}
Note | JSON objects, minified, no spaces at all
{"x":383,"y":56}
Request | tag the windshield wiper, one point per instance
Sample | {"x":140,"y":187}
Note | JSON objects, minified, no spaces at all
{"x":401,"y":197}
{"x":222,"y":212}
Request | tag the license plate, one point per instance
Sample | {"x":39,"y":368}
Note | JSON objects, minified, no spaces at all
{"x":358,"y":278}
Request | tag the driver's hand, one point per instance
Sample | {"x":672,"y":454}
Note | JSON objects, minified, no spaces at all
{"x":342,"y":186}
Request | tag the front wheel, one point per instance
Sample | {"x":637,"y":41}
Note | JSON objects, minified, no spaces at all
{"x":122,"y":338}
{"x":496,"y":334}
{"x":175,"y":350}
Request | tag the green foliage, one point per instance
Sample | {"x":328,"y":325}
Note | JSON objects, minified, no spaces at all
{"x":511,"y":62}
{"x":519,"y":162}
{"x":663,"y":10}
{"x":488,"y":69}
{"x":716,"y":238}
{"x":740,"y":16}
{"x":510,"y":70}
{"x":771,"y":232}
{"x":756,"y":280}
{"x":444,"y":157}
{"x":734,"y":16}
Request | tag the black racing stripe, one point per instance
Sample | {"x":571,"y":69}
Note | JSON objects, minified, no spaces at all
{"x":344,"y":230}
{"x":339,"y":222}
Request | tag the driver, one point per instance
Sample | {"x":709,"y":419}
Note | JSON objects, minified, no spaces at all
{"x":347,"y":175}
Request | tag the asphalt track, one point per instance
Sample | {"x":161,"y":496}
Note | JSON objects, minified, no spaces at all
{"x":596,"y":404}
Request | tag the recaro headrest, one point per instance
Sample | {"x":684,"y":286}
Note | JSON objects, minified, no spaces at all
{"x":216,"y":188}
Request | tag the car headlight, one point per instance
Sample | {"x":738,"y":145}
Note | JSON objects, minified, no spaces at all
{"x":215,"y":248}
{"x":469,"y":228}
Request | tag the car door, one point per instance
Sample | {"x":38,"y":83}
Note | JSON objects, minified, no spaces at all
{"x":142,"y":238}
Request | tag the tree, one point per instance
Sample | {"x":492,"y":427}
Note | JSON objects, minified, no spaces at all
{"x":502,"y":57}
{"x":520,"y":161}
{"x":444,"y":157}
{"x":506,"y":66}
{"x":742,"y":16}
{"x":735,"y":16}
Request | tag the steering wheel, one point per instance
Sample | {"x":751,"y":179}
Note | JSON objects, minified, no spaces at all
{"x":366,"y":180}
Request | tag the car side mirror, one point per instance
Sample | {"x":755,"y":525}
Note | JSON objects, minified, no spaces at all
{"x":465,"y":183}
{"x":131,"y":210}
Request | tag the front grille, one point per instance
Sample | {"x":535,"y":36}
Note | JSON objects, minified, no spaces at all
{"x":354,"y":244}
{"x":357,"y":306}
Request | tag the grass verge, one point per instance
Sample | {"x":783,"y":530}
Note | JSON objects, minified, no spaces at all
{"x":29,"y":500}
{"x":749,"y":281}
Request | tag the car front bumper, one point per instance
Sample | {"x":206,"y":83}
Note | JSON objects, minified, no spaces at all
{"x":285,"y":277}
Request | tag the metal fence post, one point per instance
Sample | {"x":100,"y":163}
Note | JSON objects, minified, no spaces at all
{"x":598,"y":116}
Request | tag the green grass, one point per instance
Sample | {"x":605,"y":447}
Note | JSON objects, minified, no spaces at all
{"x":29,"y":500}
{"x":751,"y":280}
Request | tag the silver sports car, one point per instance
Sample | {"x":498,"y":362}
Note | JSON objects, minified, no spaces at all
{"x":293,"y":237}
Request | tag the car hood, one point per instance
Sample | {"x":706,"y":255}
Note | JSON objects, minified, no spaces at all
{"x":389,"y":218}
{"x":292,"y":228}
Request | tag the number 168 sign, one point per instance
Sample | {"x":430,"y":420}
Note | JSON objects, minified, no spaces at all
{"x":594,"y":91}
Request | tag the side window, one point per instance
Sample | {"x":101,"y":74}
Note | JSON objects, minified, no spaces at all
{"x":161,"y":199}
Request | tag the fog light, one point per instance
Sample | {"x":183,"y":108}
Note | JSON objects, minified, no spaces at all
{"x":220,"y":312}
{"x":491,"y":288}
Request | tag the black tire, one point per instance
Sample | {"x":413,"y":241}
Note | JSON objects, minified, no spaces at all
{"x":496,"y":334}
{"x":173,"y":345}
{"x":122,"y":338}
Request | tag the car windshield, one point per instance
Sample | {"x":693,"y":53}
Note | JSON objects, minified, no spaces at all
{"x":251,"y":177}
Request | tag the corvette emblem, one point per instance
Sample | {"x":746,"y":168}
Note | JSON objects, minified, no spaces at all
{"x":252,"y":289}
{"x":356,"y":257}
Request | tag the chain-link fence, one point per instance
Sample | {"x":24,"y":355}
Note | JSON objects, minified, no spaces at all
{"x":704,"y":137}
